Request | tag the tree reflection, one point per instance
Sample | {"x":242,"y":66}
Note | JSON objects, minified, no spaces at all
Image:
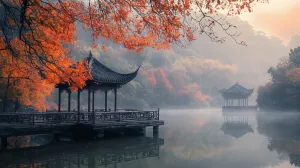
{"x":87,"y":154}
{"x":195,"y":138}
{"x":283,"y":134}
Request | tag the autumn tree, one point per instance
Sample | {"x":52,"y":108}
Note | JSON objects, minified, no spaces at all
{"x":283,"y":92}
{"x":33,"y":34}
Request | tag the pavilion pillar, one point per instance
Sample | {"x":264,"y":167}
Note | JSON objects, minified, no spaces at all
{"x":59,"y":99}
{"x":93,"y":102}
{"x":78,"y":105}
{"x":89,"y":98}
{"x":69,"y":101}
{"x":93,"y":107}
{"x":105,"y":92}
{"x":115,"y":91}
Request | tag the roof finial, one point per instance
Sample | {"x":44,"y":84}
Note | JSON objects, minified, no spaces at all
{"x":90,"y":56}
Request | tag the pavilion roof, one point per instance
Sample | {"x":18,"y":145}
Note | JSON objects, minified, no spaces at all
{"x":102,"y":74}
{"x":236,"y":91}
{"x":236,"y":130}
{"x":103,"y":77}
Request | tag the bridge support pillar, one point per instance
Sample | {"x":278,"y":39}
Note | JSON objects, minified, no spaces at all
{"x":3,"y":143}
{"x":155,"y":131}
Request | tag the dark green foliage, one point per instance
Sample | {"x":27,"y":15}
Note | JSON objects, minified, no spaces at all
{"x":281,"y":93}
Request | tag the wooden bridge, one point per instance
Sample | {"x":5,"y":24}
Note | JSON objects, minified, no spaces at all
{"x":17,"y":124}
{"x":88,"y":154}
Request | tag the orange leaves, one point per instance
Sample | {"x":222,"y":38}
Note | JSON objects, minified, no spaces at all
{"x":37,"y":49}
{"x":189,"y":34}
{"x":157,"y":77}
{"x":38,"y":59}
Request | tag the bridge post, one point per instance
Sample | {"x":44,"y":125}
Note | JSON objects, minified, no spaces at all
{"x":155,"y":131}
{"x":3,"y":143}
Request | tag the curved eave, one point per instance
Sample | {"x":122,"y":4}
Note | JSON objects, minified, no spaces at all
{"x":125,"y":78}
{"x":103,"y":74}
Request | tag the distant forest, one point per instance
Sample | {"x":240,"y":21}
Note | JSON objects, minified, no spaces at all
{"x":283,"y":90}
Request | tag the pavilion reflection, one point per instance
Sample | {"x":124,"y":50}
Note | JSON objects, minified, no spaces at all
{"x":283,"y":135}
{"x":87,"y":154}
{"x":236,"y":124}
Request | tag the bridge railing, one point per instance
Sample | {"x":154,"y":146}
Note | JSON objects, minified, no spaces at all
{"x":75,"y":117}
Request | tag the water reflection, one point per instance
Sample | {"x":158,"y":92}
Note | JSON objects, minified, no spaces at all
{"x":191,"y":138}
{"x":88,"y":154}
{"x":283,"y":133}
{"x":236,"y":124}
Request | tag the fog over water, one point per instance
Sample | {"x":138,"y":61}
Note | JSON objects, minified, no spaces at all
{"x":191,"y":76}
{"x":189,"y":138}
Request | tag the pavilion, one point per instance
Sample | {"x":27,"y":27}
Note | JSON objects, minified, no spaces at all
{"x":103,"y":79}
{"x":236,"y":97}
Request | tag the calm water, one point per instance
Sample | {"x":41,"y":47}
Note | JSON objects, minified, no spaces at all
{"x":190,"y":138}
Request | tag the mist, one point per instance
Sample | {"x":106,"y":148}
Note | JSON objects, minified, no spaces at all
{"x":190,"y":77}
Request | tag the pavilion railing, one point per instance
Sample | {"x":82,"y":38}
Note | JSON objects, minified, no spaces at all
{"x":96,"y":110}
{"x":72,"y":117}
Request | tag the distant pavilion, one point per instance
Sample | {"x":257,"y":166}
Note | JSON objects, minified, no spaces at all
{"x":103,"y":79}
{"x":236,"y":97}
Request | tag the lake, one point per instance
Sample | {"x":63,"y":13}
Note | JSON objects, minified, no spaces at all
{"x":190,"y":138}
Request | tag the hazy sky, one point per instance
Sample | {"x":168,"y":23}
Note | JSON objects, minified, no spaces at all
{"x":278,"y":18}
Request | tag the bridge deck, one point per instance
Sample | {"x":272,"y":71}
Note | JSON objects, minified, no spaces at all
{"x":51,"y":122}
